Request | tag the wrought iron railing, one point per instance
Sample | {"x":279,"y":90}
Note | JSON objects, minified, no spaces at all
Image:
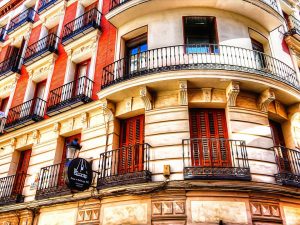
{"x":116,"y":3}
{"x":31,"y":110}
{"x":126,"y":165}
{"x":10,"y":65}
{"x":2,"y":33}
{"x":11,"y":188}
{"x":52,"y":181}
{"x":90,"y":19}
{"x":202,"y":56}
{"x":288,"y":162}
{"x":39,"y":48}
{"x":213,"y":158}
{"x":26,"y":16}
{"x":293,"y":25}
{"x":78,"y":90}
{"x":45,"y":4}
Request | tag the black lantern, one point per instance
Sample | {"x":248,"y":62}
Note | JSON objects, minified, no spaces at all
{"x":73,"y":149}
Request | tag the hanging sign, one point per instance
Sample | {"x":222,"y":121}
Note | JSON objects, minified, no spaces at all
{"x":80,"y":174}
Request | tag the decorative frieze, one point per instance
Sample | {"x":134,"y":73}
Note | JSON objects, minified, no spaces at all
{"x":146,"y":97}
{"x":206,"y":93}
{"x":128,"y":104}
{"x":183,"y":93}
{"x":168,"y":208}
{"x":264,"y":210}
{"x":88,"y":216}
{"x":232,"y":92}
{"x":265,"y":99}
{"x":84,"y":120}
{"x":36,"y":136}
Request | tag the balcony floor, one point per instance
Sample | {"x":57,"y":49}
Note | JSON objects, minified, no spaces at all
{"x":22,"y":122}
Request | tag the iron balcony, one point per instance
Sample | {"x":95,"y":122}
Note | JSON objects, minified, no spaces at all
{"x":10,"y":66}
{"x":46,"y":4}
{"x":27,"y":113}
{"x":70,"y":95}
{"x":126,"y":165}
{"x":40,"y":49}
{"x":20,"y":20}
{"x":215,"y":159}
{"x":11,"y":188}
{"x":52,"y":182}
{"x":288,"y":162}
{"x":198,"y":57}
{"x":81,"y":26}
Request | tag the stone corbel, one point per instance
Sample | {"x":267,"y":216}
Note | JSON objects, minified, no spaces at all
{"x":146,"y":97}
{"x":13,"y":143}
{"x":56,"y":129}
{"x":265,"y":99}
{"x":232,"y":91}
{"x":108,"y":109}
{"x":36,"y":136}
{"x":183,"y":93}
{"x":207,"y":94}
{"x":84,"y":120}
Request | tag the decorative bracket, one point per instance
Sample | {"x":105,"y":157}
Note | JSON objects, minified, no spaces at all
{"x":232,"y":91}
{"x":183,"y":93}
{"x":265,"y":99}
{"x":207,"y":94}
{"x":108,"y":109}
{"x":146,"y":97}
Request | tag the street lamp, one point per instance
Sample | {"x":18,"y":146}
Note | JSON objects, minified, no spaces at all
{"x":73,"y":149}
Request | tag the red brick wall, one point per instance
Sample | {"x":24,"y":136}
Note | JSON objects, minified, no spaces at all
{"x":35,"y":34}
{"x":21,"y":88}
{"x":106,"y":48}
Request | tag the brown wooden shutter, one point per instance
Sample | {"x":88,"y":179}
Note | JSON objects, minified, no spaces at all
{"x":207,"y":126}
{"x":131,"y":151}
{"x":277,"y":133}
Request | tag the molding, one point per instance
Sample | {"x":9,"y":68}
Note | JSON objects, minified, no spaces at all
{"x":265,"y":99}
{"x":207,"y":94}
{"x":183,"y":93}
{"x":146,"y":97}
{"x":232,"y":91}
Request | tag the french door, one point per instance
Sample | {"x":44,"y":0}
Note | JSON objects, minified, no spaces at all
{"x":82,"y":72}
{"x":131,"y":153}
{"x":209,"y":138}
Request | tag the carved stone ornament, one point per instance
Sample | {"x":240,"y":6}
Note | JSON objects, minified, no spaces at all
{"x":265,"y":99}
{"x":183,"y":93}
{"x":232,"y":92}
{"x":146,"y":97}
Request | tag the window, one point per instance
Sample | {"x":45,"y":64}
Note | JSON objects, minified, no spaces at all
{"x":131,"y":152}
{"x":208,"y":132}
{"x":259,"y":56}
{"x":136,"y":50}
{"x":200,"y":34}
{"x":82,"y":72}
{"x":3,"y":106}
{"x":21,"y":171}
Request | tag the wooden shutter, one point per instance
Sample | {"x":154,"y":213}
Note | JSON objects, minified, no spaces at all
{"x":21,"y":172}
{"x":277,"y":133}
{"x":4,"y":103}
{"x":131,"y":153}
{"x":207,"y":126}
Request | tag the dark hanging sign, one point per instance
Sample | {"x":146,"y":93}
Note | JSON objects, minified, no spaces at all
{"x":80,"y":174}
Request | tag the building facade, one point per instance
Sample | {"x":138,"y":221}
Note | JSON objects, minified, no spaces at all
{"x":188,"y":111}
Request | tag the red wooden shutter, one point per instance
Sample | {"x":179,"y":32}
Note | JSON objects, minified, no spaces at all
{"x":131,"y":149}
{"x":277,"y":133}
{"x":21,"y":171}
{"x":207,"y":127}
{"x":4,"y":103}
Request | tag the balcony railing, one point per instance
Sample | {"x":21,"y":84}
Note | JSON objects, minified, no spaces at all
{"x":212,"y":158}
{"x":2,"y":33}
{"x":21,"y":19}
{"x":82,"y":25}
{"x":41,"y":48}
{"x":10,"y":66}
{"x":52,"y":182}
{"x":46,"y":4}
{"x":70,"y":95}
{"x":198,"y":57}
{"x":11,"y":189}
{"x":27,"y":113}
{"x":116,"y":3}
{"x":126,"y":165}
{"x":293,"y":25}
{"x":288,"y":162}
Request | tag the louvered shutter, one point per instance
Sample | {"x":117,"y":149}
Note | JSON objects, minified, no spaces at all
{"x":131,"y":150}
{"x":21,"y":171}
{"x":207,"y":127}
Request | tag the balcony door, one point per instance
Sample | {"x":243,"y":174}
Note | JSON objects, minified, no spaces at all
{"x":282,"y":156}
{"x":259,"y":57}
{"x":131,"y":153}
{"x":21,"y":172}
{"x":136,"y":50}
{"x":209,"y":138}
{"x":3,"y":106}
{"x":82,"y":72}
{"x":89,"y":15}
